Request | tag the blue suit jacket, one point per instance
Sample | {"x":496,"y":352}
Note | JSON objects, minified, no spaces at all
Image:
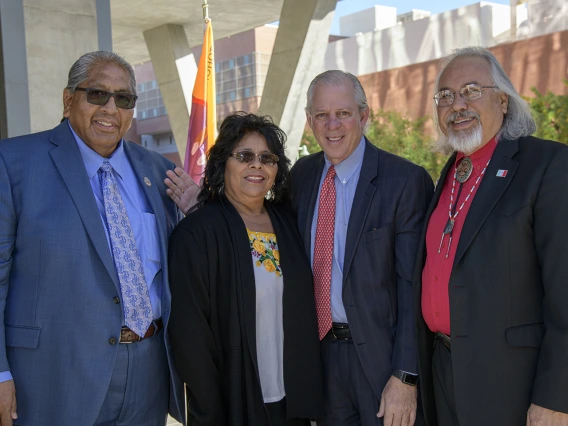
{"x":58,"y":279}
{"x":382,"y":237}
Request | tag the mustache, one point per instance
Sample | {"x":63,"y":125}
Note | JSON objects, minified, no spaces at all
{"x":462,"y":114}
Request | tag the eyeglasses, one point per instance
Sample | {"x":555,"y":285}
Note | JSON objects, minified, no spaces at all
{"x":249,"y":157}
{"x":122,"y":100}
{"x":470,"y":92}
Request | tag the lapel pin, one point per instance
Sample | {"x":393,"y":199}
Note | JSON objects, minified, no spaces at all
{"x":501,"y":173}
{"x":147,"y":181}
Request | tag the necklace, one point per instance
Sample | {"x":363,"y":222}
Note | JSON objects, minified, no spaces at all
{"x":465,"y":174}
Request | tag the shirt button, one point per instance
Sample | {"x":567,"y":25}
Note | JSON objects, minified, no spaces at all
{"x":112,"y":340}
{"x":116,"y":299}
{"x":436,"y":279}
{"x":437,"y":314}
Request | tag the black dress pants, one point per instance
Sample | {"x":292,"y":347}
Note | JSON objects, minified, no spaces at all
{"x":444,"y":385}
{"x":277,"y":415}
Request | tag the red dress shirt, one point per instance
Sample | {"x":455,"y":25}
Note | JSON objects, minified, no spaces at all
{"x":438,"y":268}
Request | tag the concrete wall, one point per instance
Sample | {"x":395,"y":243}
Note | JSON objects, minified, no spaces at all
{"x":57,"y":33}
{"x":413,"y":42}
{"x":485,"y":24}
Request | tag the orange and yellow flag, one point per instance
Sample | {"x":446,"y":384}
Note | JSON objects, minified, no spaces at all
{"x":202,"y":123}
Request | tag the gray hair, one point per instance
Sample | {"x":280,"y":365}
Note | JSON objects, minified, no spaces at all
{"x":336,"y":78}
{"x":518,"y":121}
{"x":83,"y":66}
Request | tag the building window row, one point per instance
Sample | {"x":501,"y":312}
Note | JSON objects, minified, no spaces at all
{"x":150,"y":103}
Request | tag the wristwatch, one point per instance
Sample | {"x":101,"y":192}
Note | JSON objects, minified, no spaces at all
{"x":406,"y":378}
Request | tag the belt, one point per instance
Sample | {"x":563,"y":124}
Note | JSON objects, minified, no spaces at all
{"x":445,"y":339}
{"x":128,"y":336}
{"x":340,"y":331}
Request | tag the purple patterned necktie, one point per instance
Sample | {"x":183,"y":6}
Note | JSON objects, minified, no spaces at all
{"x":135,"y":295}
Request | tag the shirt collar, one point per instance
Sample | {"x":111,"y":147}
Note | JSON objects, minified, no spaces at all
{"x":482,"y":155}
{"x":350,"y":165}
{"x":93,"y":160}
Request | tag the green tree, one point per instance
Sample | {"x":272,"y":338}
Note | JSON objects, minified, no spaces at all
{"x":551,"y":114}
{"x":395,"y":133}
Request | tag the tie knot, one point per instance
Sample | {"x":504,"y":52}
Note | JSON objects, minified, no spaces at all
{"x":330,"y":173}
{"x":106,"y":167}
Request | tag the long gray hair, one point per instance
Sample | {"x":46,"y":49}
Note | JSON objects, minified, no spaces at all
{"x":335,"y":78}
{"x":518,"y":120}
{"x":83,"y":66}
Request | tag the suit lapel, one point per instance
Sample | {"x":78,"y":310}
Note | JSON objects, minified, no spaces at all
{"x":69,"y":163}
{"x":312,"y":180}
{"x":490,"y":190}
{"x":361,"y":203}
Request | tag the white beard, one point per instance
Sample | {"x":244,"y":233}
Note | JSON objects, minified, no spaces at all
{"x":466,"y":141}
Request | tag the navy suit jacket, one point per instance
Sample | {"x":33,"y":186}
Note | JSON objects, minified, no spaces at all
{"x":382,"y":237}
{"x":58,"y":279}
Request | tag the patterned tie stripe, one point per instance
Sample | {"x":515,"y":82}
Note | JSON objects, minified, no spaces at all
{"x":135,"y":295}
{"x":323,"y":252}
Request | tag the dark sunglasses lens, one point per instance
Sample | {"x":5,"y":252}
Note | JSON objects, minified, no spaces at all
{"x":125,"y":100}
{"x":97,"y":97}
{"x":268,"y":159}
{"x":245,"y":157}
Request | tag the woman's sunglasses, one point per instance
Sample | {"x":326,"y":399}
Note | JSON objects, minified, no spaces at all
{"x":122,"y":100}
{"x":249,"y":157}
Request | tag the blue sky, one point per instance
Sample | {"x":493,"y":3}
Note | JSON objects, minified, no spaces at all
{"x":346,"y":7}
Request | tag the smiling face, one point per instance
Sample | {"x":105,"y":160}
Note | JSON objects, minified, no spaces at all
{"x":470,"y":125}
{"x":101,"y":127}
{"x":248,"y":183}
{"x":336,"y":120}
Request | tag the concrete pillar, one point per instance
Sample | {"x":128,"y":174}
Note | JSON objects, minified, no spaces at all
{"x":297,"y":57}
{"x":513,"y":9}
{"x":58,"y":32}
{"x":14,"y":96}
{"x":104,"y":25}
{"x":175,"y":70}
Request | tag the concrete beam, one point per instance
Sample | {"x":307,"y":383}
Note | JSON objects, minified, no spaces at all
{"x":297,"y":57}
{"x":104,"y":25}
{"x":175,"y":69}
{"x":14,"y":95}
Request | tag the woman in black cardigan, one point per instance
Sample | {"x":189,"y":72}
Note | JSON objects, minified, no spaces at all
{"x":243,"y":324}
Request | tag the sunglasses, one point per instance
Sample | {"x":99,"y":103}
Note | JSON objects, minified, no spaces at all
{"x":122,"y":100}
{"x":249,"y":157}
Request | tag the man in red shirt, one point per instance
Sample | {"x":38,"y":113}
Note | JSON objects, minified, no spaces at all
{"x":490,"y":287}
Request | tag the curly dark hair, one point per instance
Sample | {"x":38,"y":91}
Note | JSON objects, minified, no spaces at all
{"x":233,"y":128}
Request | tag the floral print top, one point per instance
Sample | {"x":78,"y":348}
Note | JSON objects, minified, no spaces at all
{"x":264,"y":249}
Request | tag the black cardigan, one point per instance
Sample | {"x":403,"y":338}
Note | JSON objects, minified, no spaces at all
{"x":212,"y":323}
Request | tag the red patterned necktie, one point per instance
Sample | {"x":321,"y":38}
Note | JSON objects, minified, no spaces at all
{"x":323,"y":252}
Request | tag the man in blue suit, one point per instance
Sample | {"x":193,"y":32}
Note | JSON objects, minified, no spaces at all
{"x":360,"y":212}
{"x":84,"y":294}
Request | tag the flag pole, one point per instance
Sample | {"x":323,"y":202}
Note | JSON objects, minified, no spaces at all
{"x":205,"y":7}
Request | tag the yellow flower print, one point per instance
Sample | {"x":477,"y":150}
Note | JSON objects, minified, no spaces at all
{"x":259,"y":246}
{"x":258,"y":263}
{"x":269,"y":265}
{"x":276,"y":254}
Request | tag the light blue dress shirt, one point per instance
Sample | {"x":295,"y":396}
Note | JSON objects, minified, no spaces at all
{"x":142,"y":220}
{"x":346,"y":179}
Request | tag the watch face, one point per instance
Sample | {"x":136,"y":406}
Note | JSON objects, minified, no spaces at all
{"x":409,"y":379}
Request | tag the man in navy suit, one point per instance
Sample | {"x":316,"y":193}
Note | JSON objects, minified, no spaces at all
{"x":84,"y":296}
{"x":360,"y":213}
